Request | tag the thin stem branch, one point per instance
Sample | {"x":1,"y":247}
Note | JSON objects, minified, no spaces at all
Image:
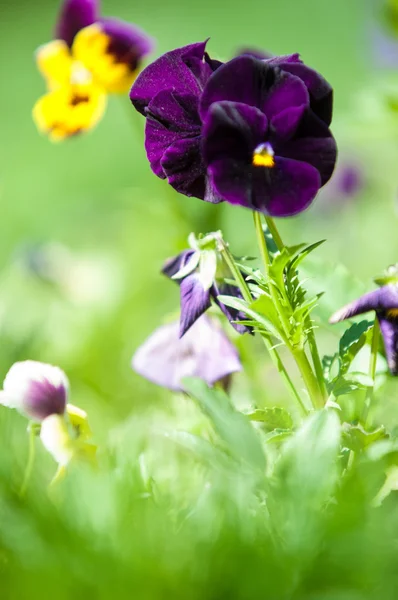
{"x":372,"y":372}
{"x":275,"y":233}
{"x":30,"y":462}
{"x":245,"y":291}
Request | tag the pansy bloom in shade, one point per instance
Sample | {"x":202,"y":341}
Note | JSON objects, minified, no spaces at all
{"x":201,"y":274}
{"x":205,"y":352}
{"x":384,"y":301}
{"x":90,"y":58}
{"x":40,"y":392}
{"x":253,"y":132}
{"x":35,"y":389}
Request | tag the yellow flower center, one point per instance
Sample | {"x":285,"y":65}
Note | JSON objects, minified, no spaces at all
{"x":392,"y":313}
{"x":263,"y":156}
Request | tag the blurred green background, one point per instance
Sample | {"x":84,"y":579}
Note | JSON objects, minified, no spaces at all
{"x":104,"y":225}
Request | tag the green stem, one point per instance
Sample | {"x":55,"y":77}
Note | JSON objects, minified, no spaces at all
{"x":299,"y":354}
{"x":308,"y":376}
{"x":310,"y":335}
{"x":316,"y":358}
{"x":372,"y":372}
{"x":275,"y":233}
{"x":29,"y":464}
{"x":267,"y":263}
{"x":245,"y":291}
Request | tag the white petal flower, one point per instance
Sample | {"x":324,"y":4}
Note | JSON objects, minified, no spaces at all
{"x":35,"y":389}
{"x":56,"y":439}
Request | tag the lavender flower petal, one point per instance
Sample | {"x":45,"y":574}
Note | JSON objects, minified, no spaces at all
{"x":205,"y":352}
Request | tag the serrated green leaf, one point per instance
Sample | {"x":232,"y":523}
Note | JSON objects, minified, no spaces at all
{"x":302,"y":253}
{"x":356,"y":438}
{"x":233,"y":428}
{"x":353,"y":340}
{"x":272,"y":418}
{"x":342,"y":385}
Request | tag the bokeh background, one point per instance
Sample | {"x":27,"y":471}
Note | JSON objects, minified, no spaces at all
{"x":85,"y":225}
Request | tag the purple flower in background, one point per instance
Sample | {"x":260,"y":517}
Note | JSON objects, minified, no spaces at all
{"x":205,"y":352}
{"x":35,"y":389}
{"x":252,"y":132}
{"x":384,"y":302}
{"x":201,"y":274}
{"x":347,"y":182}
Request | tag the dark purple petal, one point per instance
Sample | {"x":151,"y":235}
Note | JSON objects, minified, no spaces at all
{"x":284,"y":190}
{"x":233,"y":129}
{"x":205,"y":351}
{"x":128,"y":43}
{"x":248,"y":80}
{"x":169,"y":72}
{"x":194,"y":301}
{"x":175,"y":264}
{"x":74,"y":16}
{"x":226,"y":289}
{"x":389,"y":331}
{"x":170,"y":118}
{"x":321,"y":92}
{"x":260,"y":54}
{"x":185,"y":171}
{"x":384,"y":298}
{"x":44,"y":399}
{"x":321,"y":153}
{"x":284,"y":125}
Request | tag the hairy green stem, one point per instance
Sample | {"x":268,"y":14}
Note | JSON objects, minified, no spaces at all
{"x":247,"y":296}
{"x":310,"y":335}
{"x":372,"y":372}
{"x":29,"y":464}
{"x":299,"y":355}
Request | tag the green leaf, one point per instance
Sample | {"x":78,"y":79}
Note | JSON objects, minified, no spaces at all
{"x":263,"y":322}
{"x":356,"y":438}
{"x":305,"y":478}
{"x":353,"y":340}
{"x":302,"y":253}
{"x":233,"y":428}
{"x":272,"y":418}
{"x":277,"y":436}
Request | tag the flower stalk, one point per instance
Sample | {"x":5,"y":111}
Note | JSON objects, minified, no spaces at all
{"x":31,"y":460}
{"x":229,"y":260}
{"x":372,"y":372}
{"x":307,"y":374}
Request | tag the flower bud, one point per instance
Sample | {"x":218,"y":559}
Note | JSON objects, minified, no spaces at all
{"x":35,"y":389}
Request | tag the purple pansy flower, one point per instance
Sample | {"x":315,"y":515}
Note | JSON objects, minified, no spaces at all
{"x":252,"y":132}
{"x":205,"y":352}
{"x":201,"y":275}
{"x":384,"y":302}
{"x":35,"y":389}
{"x":167,"y":92}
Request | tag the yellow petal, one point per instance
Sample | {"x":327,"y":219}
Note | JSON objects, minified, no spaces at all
{"x":56,"y":439}
{"x":54,"y":61}
{"x":79,"y":420}
{"x":90,"y":48}
{"x":69,"y":110}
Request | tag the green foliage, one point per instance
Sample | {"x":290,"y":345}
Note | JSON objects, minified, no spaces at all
{"x":232,"y":427}
{"x":339,"y":379}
